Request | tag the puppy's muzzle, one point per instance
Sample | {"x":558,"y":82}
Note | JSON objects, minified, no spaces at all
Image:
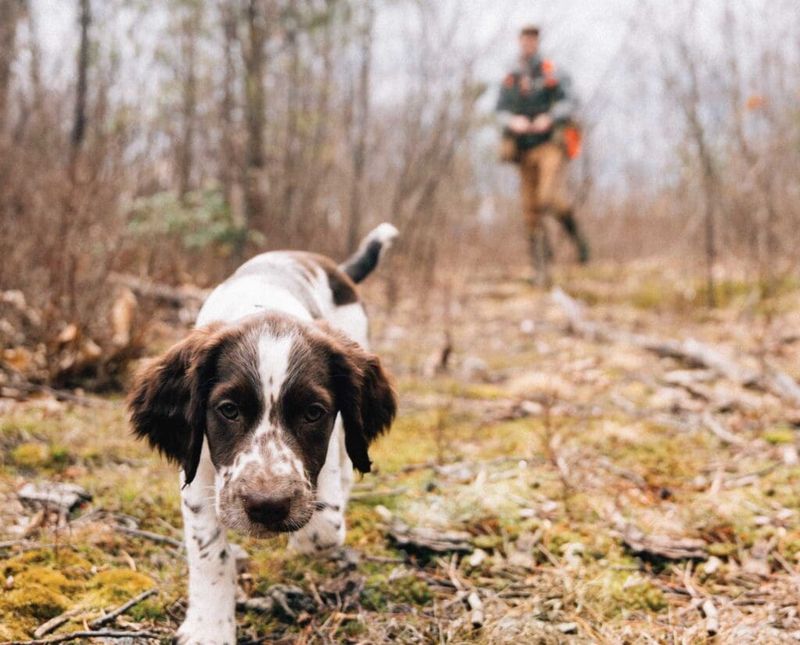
{"x":269,"y":508}
{"x":276,"y":506}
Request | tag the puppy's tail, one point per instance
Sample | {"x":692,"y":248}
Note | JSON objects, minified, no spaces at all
{"x":363,"y":262}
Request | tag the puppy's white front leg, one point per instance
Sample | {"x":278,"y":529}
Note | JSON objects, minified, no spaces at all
{"x":326,"y":530}
{"x":211,"y":615}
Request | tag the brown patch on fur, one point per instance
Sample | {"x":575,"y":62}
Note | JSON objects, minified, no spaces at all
{"x":166,"y":403}
{"x":342,"y":287}
{"x":235,"y":379}
{"x":309,"y":383}
{"x":170,"y":396}
{"x":362,"y":389}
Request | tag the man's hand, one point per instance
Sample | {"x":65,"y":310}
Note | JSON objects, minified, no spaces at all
{"x":541,"y":123}
{"x":519,"y":124}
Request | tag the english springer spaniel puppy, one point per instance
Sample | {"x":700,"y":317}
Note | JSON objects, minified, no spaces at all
{"x":267,"y":406}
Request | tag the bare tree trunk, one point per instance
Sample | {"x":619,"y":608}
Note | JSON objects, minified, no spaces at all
{"x":361,"y":127}
{"x":35,"y":76}
{"x":760,"y":172}
{"x":689,"y":101}
{"x":67,"y":267}
{"x":254,"y":54}
{"x":190,"y":25}
{"x":290,"y":175}
{"x":79,"y":122}
{"x":691,"y":109}
{"x":228,"y":160}
{"x":317,"y":168}
{"x":10,"y":13}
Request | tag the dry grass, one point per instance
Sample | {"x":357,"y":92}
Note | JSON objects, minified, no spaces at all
{"x":540,"y":445}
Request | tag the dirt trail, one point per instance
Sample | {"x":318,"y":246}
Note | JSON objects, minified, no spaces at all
{"x":542,"y":486}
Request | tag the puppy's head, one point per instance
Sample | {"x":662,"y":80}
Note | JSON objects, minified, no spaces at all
{"x":265,"y":394}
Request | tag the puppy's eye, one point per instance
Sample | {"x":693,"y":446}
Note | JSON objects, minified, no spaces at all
{"x":315,"y":412}
{"x":228,"y":410}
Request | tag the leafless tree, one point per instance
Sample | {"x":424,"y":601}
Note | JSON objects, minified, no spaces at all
{"x":360,"y":124}
{"x":82,"y":89}
{"x":254,"y":51}
{"x":10,"y":14}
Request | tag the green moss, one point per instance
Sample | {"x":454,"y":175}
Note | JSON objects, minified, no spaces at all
{"x":30,"y":455}
{"x":618,"y":590}
{"x":59,"y":456}
{"x":487,"y":542}
{"x":780,"y":435}
{"x":649,"y":296}
{"x":32,"y":604}
{"x":38,"y":594}
{"x":412,"y":590}
{"x":363,"y":526}
{"x":559,"y":536}
{"x":722,"y":549}
{"x":115,"y":586}
{"x":653,"y":453}
{"x":66,"y":560}
{"x":283,"y":567}
{"x":644,"y":596}
{"x":151,"y":609}
{"x":651,"y":291}
{"x":481,"y":391}
{"x":789,"y":545}
{"x":380,"y":593}
{"x":46,"y":577}
{"x":413,"y":440}
{"x":34,"y":456}
{"x":352,"y":629}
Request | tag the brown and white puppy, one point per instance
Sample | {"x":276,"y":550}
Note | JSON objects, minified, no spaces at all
{"x":267,"y":406}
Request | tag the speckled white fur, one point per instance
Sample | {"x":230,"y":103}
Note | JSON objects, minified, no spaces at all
{"x":210,"y":617}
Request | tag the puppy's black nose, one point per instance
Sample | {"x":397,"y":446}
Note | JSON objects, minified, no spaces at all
{"x":267,"y":508}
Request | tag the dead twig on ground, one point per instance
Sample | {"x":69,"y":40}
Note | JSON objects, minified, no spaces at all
{"x":689,"y":351}
{"x":56,"y":495}
{"x":149,"y":535}
{"x":659,"y":545}
{"x":73,"y":636}
{"x":477,"y":616}
{"x":55,"y":623}
{"x":712,"y":617}
{"x":99,"y":622}
{"x":719,"y":431}
{"x":430,"y":540}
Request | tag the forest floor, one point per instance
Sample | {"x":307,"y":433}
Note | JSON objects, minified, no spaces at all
{"x":546,"y":481}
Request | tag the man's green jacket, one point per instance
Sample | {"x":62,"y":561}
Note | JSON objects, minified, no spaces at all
{"x":533,"y":88}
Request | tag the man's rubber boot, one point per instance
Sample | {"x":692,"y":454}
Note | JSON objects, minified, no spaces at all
{"x":540,"y":252}
{"x":570,"y":225}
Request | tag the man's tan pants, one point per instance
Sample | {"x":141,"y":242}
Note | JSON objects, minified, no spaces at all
{"x":542,"y":173}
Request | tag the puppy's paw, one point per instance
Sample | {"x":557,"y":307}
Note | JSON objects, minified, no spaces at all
{"x":206,"y":630}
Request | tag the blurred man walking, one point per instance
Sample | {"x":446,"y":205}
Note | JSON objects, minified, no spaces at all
{"x":536,"y":112}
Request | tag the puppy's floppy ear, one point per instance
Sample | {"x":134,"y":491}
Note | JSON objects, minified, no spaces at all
{"x":364,"y":396}
{"x":167,"y":402}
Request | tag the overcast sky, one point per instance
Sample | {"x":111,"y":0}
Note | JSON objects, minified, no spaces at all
{"x":606,"y":46}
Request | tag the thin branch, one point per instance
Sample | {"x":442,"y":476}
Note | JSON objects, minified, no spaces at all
{"x":99,"y":622}
{"x":73,"y":636}
{"x":149,"y":535}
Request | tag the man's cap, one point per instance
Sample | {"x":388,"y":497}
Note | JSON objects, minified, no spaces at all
{"x":529,"y":30}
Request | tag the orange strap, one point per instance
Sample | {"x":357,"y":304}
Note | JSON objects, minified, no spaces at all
{"x":549,"y":73}
{"x":572,"y":141}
